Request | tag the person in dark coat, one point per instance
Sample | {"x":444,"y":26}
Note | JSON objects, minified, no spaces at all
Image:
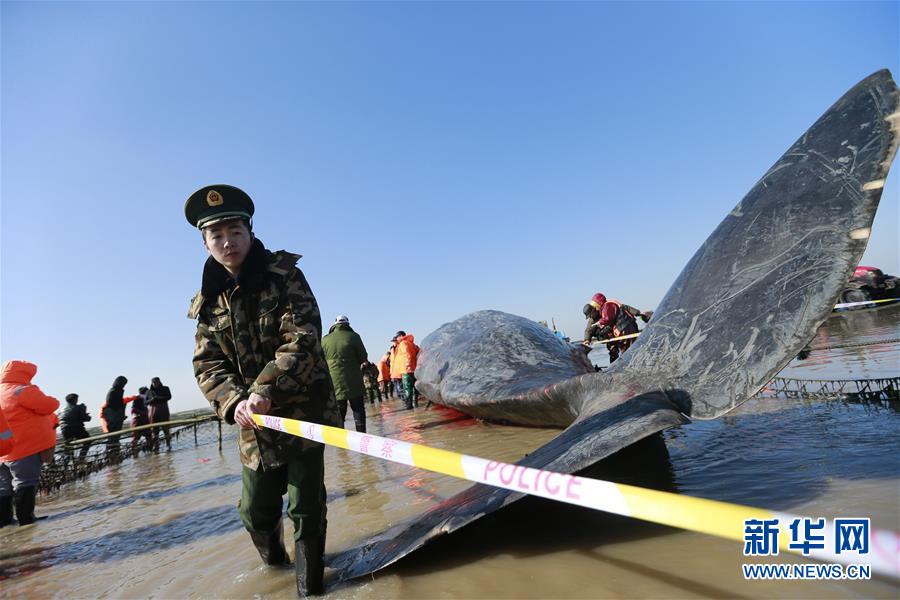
{"x":140,"y":416}
{"x":158,"y":397}
{"x":72,"y":421}
{"x":345,"y":354}
{"x":113,"y":412}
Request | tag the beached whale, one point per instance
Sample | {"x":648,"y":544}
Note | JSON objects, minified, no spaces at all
{"x":748,"y":301}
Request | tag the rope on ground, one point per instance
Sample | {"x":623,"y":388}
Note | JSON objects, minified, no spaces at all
{"x":720,"y":519}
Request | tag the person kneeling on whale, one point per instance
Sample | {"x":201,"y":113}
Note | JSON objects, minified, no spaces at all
{"x":258,"y":352}
{"x":611,"y":318}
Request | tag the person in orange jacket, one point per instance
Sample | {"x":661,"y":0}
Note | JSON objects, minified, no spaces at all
{"x":406,"y":355}
{"x":384,"y":376}
{"x":6,"y":435}
{"x":30,"y":415}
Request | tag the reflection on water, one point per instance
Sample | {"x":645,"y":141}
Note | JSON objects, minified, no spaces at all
{"x":166,"y":525}
{"x":860,"y":344}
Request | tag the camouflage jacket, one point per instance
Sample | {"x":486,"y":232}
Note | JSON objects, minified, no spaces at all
{"x":260,"y":334}
{"x":370,"y":376}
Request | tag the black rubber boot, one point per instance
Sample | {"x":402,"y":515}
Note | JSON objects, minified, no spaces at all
{"x":309,"y":565}
{"x":6,"y":510}
{"x":271,"y":546}
{"x":24,"y":501}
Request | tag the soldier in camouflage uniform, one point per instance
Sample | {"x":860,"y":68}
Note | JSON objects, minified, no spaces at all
{"x":258,"y":351}
{"x":370,"y":381}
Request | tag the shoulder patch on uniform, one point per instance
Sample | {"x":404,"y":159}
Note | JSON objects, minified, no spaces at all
{"x":282,"y":262}
{"x":196,"y":305}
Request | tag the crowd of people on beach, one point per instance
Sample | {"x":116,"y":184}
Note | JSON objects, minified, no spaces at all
{"x":355,"y":379}
{"x":248,"y":361}
{"x":149,"y":406}
{"x":29,"y":424}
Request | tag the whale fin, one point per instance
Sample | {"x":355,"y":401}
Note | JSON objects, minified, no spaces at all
{"x":576,"y":448}
{"x":765,"y":280}
{"x":745,"y":304}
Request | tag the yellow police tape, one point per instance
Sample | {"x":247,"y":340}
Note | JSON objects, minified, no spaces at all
{"x":616,"y":339}
{"x":846,"y":304}
{"x":720,"y":519}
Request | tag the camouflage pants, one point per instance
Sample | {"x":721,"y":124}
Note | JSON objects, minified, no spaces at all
{"x":303,"y":478}
{"x":372,"y":393}
{"x":410,"y":394}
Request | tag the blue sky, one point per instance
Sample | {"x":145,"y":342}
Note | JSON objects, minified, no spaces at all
{"x":427,"y":159}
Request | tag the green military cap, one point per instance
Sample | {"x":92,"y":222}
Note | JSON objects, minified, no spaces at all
{"x":216,"y":203}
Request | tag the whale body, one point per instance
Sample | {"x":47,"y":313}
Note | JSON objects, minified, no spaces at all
{"x":747,"y":302}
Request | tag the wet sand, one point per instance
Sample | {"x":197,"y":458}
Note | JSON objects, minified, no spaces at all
{"x":165,"y":526}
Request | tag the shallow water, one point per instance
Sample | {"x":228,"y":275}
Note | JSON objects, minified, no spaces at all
{"x":165,"y":526}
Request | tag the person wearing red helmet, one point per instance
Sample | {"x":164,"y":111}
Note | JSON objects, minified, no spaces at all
{"x":611,"y":318}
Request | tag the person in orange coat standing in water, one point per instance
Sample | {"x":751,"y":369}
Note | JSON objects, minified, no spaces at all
{"x":30,"y":415}
{"x":406,"y":355}
{"x":384,"y":376}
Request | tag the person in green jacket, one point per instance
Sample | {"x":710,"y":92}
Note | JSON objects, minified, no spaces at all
{"x":345,"y":354}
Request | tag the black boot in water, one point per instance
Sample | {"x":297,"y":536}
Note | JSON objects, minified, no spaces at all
{"x":271,"y":546}
{"x":309,"y":564}
{"x":24,"y":500}
{"x":6,"y":510}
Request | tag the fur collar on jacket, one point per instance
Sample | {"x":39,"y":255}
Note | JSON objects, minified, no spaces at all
{"x":253,"y":275}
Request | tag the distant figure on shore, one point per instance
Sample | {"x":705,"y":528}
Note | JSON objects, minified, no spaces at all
{"x":345,"y":354}
{"x":384,"y":376}
{"x":140,"y":416}
{"x":112,"y":413}
{"x":31,"y":416}
{"x":370,"y":381}
{"x":611,"y":318}
{"x":407,"y":355}
{"x":158,"y":397}
{"x":72,"y":421}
